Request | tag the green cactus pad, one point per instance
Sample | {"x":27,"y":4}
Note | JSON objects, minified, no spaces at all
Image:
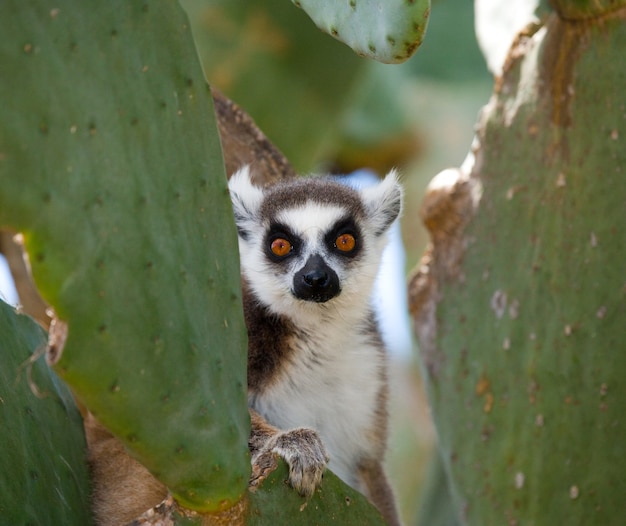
{"x":388,"y":31}
{"x":111,"y":167}
{"x":527,"y":366}
{"x":334,"y":503}
{"x":44,"y":477}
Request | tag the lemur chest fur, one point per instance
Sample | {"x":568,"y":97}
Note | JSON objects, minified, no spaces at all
{"x":330,"y":379}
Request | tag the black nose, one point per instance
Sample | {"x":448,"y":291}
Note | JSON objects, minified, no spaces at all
{"x":316,"y":278}
{"x":316,"y":281}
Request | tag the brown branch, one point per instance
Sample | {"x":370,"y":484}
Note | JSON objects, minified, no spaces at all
{"x":243,"y":143}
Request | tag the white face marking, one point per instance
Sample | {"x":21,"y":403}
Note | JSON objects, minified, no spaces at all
{"x":311,"y":217}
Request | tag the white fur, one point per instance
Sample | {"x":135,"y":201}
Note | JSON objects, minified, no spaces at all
{"x":382,"y":198}
{"x":246,"y":198}
{"x":337,"y":398}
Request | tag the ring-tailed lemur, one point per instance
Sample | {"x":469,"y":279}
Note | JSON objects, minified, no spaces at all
{"x":310,"y":251}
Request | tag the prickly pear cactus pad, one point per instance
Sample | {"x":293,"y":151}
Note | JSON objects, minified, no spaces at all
{"x":110,"y":165}
{"x":334,"y":504}
{"x":519,"y":305}
{"x":44,"y":477}
{"x":389,"y":31}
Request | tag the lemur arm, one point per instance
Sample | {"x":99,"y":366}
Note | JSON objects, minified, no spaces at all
{"x":301,"y":448}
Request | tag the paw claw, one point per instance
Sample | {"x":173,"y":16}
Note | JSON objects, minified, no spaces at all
{"x":262,"y":466}
{"x":303,"y":451}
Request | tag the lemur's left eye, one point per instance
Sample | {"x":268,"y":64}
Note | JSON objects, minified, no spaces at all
{"x":345,"y":242}
{"x":280,"y":247}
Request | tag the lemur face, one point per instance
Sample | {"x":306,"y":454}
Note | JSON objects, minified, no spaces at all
{"x":311,"y":240}
{"x":312,"y":246}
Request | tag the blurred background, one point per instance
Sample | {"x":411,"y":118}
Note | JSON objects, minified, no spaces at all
{"x":329,"y":110}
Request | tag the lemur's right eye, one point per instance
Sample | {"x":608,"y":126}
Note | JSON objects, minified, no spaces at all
{"x":280,"y":247}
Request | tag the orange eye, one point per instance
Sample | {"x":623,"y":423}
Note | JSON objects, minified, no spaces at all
{"x":280,"y":247}
{"x":345,"y":242}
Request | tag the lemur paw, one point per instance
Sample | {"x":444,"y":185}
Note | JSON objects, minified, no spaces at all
{"x":303,"y":451}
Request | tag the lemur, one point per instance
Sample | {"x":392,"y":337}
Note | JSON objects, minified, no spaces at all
{"x":310,"y":251}
{"x":317,"y":387}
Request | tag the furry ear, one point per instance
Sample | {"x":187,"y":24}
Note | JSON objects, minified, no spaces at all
{"x":383,"y":202}
{"x":246,"y":199}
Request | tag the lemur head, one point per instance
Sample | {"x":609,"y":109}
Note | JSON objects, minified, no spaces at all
{"x":312,"y":241}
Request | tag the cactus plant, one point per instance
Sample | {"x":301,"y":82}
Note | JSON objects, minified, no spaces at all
{"x":44,"y":478}
{"x":389,"y":31}
{"x":120,"y":230}
{"x":519,"y":303}
{"x":111,"y":168}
